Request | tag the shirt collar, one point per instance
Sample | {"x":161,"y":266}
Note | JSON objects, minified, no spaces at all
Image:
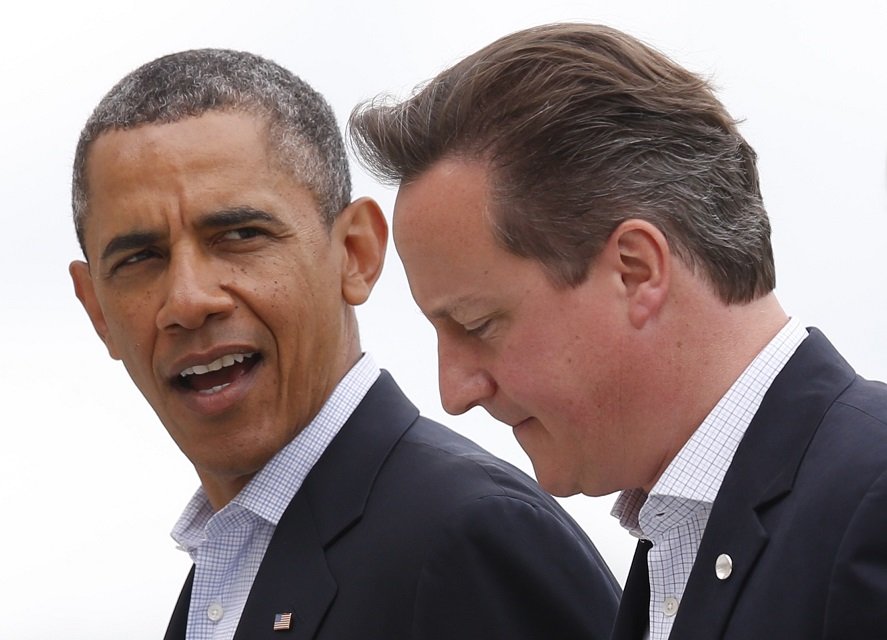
{"x":270,"y":491}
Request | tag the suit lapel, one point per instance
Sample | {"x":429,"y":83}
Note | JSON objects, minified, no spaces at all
{"x":294,"y":576}
{"x":761,"y":476}
{"x":178,"y":623}
{"x":293,"y":579}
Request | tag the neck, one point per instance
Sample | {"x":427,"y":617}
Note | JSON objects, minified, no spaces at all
{"x":221,"y":491}
{"x":709,"y":352}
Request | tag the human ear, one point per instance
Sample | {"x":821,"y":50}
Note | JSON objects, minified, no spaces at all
{"x":85,"y":292}
{"x":363,"y":232}
{"x":643,"y":258}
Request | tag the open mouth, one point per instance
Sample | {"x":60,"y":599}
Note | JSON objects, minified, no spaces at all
{"x":216,"y":375}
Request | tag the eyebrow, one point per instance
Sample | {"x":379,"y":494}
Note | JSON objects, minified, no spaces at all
{"x":235,"y":216}
{"x":215,"y":220}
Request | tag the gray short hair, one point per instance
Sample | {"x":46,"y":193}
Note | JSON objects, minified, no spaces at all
{"x":583,"y":127}
{"x":302,"y":127}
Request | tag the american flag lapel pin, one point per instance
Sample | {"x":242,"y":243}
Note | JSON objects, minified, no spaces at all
{"x":283,"y":621}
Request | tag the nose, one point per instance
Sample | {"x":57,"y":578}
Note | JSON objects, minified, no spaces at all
{"x":195,"y":292}
{"x":464,"y":383}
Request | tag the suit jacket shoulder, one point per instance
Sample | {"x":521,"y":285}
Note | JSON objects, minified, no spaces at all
{"x":404,"y":529}
{"x":802,"y":513}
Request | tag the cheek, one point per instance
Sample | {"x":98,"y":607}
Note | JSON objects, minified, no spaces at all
{"x":566,"y":379}
{"x":131,"y":329}
{"x":304,"y":314}
{"x":285,"y":283}
{"x":550,"y":361}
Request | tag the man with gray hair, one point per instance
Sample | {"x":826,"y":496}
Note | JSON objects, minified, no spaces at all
{"x":223,"y":261}
{"x":580,"y":220}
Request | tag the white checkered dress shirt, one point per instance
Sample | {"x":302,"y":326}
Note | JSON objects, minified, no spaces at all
{"x":227,"y":547}
{"x":674,"y":515}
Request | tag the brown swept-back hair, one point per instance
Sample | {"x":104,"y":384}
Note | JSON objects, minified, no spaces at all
{"x":583,"y":127}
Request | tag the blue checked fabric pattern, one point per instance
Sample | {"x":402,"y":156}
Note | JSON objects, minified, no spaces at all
{"x":227,"y":547}
{"x":675,"y":513}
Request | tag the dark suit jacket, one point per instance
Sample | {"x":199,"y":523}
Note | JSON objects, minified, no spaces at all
{"x":404,"y":529}
{"x":802,"y":513}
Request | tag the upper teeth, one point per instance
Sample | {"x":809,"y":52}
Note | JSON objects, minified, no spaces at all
{"x":215,"y":365}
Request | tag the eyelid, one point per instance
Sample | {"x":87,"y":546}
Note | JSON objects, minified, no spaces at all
{"x":478,"y":327}
{"x":126,"y":260}
{"x":251,"y":230}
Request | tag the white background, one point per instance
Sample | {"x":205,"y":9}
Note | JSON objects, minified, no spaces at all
{"x":91,"y":484}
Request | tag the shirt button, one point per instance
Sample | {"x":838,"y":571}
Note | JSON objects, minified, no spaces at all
{"x":215,"y":611}
{"x":670,"y":606}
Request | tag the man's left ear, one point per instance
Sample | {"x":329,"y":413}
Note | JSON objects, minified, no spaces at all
{"x":363,"y":232}
{"x":644,"y":261}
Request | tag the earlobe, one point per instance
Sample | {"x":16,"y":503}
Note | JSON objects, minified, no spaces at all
{"x":644,"y":262}
{"x":364,"y":236}
{"x":85,"y":292}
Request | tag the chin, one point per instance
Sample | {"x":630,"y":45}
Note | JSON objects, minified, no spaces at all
{"x":556,"y":486}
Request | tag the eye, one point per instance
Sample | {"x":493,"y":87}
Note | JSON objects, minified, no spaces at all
{"x":242,"y":233}
{"x":479,"y":329}
{"x":135,"y":258}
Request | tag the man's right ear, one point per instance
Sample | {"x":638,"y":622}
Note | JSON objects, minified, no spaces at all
{"x":85,"y":292}
{"x":362,"y":232}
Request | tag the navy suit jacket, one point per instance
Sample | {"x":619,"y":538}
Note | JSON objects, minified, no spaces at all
{"x":404,"y":529}
{"x":802,"y":513}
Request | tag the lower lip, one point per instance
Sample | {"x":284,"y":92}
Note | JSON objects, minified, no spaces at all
{"x":212,"y":404}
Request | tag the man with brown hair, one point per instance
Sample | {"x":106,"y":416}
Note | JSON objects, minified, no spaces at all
{"x":580,"y":219}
